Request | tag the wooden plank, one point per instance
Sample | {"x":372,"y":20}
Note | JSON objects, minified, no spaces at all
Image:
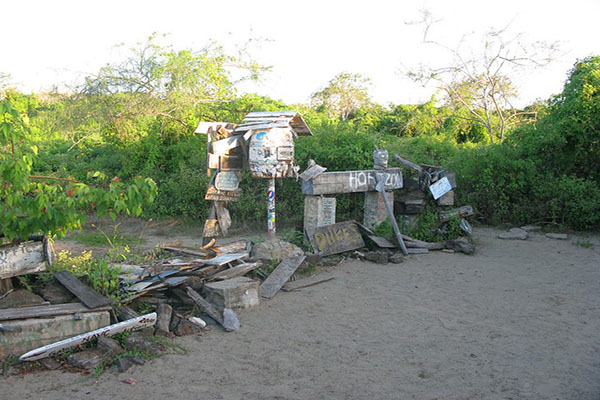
{"x":211,"y":310}
{"x":24,"y":258}
{"x":214,"y":194}
{"x":86,"y":294}
{"x":419,"y":244}
{"x":352,"y":181}
{"x":312,"y":172}
{"x":226,"y":258}
{"x":408,"y":164}
{"x":222,"y":147}
{"x":382,"y":242}
{"x":193,"y":252}
{"x":35,"y":332}
{"x":236,"y":271}
{"x":280,"y":276}
{"x":238,"y":246}
{"x":46,"y":311}
{"x":335,"y":238}
{"x":390,"y":209}
{"x":306,"y":282}
{"x":223,"y":216}
{"x":125,"y":326}
{"x":417,"y":251}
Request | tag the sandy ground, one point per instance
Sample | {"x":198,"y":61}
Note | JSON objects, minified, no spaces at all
{"x":517,"y":320}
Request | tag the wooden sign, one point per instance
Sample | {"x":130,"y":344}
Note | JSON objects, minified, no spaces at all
{"x":24,"y":258}
{"x":352,"y":181}
{"x":214,"y":194}
{"x":222,"y":147}
{"x":227,"y":181}
{"x":231,"y":162}
{"x":336,"y":238}
{"x":125,"y":326}
{"x":440,"y":188}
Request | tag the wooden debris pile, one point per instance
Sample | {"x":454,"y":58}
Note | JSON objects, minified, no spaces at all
{"x":182,"y":293}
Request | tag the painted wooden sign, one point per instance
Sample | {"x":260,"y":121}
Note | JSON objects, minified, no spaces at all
{"x":440,"y":188}
{"x":227,"y":180}
{"x":214,"y":194}
{"x":336,"y":238}
{"x":352,"y":181}
{"x":24,"y":258}
{"x":125,"y":326}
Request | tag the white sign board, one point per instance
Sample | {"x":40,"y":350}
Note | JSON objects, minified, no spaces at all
{"x":440,"y":188}
{"x":227,"y":181}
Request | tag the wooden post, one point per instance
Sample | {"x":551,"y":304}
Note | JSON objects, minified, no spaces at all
{"x":272,"y":231}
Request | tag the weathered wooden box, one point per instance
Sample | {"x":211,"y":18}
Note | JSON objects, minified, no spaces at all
{"x":240,"y":292}
{"x":24,"y":258}
{"x":35,"y":332}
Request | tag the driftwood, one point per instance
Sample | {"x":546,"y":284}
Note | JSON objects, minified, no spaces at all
{"x":280,"y":276}
{"x":86,"y":294}
{"x":381,"y":189}
{"x":306,"y":282}
{"x":226,"y":318}
{"x":193,"y":252}
{"x":236,"y":271}
{"x":408,"y":164}
{"x":46,"y":311}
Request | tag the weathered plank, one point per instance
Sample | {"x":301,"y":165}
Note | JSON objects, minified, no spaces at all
{"x":280,"y":276}
{"x":212,"y":311}
{"x":306,"y":282}
{"x":35,"y":332}
{"x":212,"y":193}
{"x":223,"y":217}
{"x":192,"y":252}
{"x":390,"y":209}
{"x":24,"y":258}
{"x":352,"y":181}
{"x":238,"y":246}
{"x":86,"y":294}
{"x":125,"y":326}
{"x":335,"y":238}
{"x":417,"y":251}
{"x":419,"y":244}
{"x":408,"y":164}
{"x":46,"y":311}
{"x":226,"y":258}
{"x":382,"y":242}
{"x":236,"y":271}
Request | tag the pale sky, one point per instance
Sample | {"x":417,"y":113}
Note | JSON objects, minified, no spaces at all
{"x":48,"y":43}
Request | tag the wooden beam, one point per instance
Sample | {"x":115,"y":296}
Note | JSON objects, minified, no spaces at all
{"x":352,"y":181}
{"x":46,"y":311}
{"x":86,"y":294}
{"x":335,"y":238}
{"x":280,"y":276}
{"x":24,"y":258}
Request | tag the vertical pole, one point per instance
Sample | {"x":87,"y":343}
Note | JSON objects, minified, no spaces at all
{"x":271,"y":209}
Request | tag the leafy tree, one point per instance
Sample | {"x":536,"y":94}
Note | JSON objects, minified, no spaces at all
{"x":343,"y":95}
{"x":480,"y":81}
{"x":49,"y":204}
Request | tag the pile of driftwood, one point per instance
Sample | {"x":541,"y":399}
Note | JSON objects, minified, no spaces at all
{"x":181,"y":292}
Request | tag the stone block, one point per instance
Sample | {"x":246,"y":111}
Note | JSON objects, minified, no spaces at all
{"x":447,"y":199}
{"x":240,"y":292}
{"x":374,"y":209}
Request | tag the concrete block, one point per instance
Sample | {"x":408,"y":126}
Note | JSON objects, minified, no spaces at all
{"x":240,"y":292}
{"x":375,"y":211}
